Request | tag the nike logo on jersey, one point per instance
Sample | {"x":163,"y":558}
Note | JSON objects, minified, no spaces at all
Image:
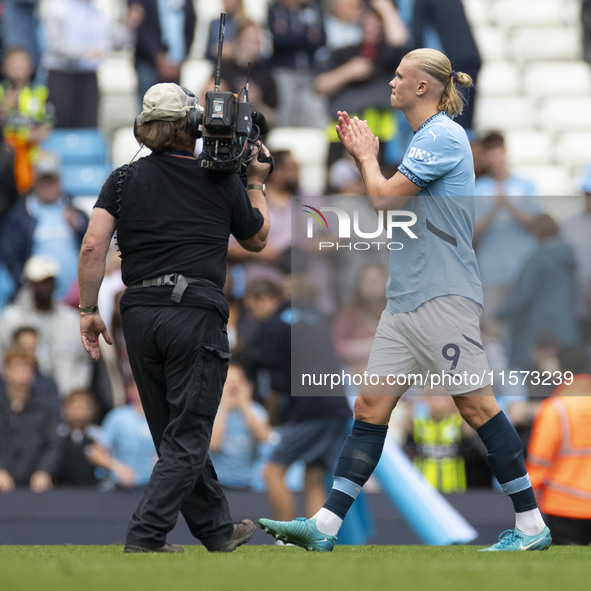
{"x":435,"y":135}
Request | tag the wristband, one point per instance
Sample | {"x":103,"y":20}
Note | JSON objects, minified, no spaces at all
{"x":257,"y":188}
{"x":88,"y":310}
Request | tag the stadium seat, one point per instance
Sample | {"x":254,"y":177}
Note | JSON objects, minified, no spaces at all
{"x":84,"y":179}
{"x":557,"y":78}
{"x":578,"y":174}
{"x":573,"y":148}
{"x":545,"y":43}
{"x":257,"y":10}
{"x":85,"y":203}
{"x":565,"y":113}
{"x":195,"y":74}
{"x":477,"y":12}
{"x":491,"y":43}
{"x":117,"y":75}
{"x":499,"y":79}
{"x":110,"y":7}
{"x":516,"y":13}
{"x":309,"y":147}
{"x":78,"y":146}
{"x":208,"y":9}
{"x":552,"y":181}
{"x":502,"y":114}
{"x":117,"y":110}
{"x":124,"y":147}
{"x":527,"y":147}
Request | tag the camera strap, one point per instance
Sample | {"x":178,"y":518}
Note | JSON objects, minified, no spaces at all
{"x":119,"y":189}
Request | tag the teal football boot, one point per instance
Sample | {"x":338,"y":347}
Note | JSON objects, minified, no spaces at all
{"x":514,"y":540}
{"x":302,"y":532}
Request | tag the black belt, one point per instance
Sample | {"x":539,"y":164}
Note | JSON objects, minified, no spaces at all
{"x":179,"y":281}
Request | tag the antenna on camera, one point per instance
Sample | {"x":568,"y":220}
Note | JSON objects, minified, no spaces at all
{"x":218,"y":62}
{"x":247,"y":83}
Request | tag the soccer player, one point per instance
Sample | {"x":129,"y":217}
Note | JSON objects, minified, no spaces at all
{"x":434,"y":302}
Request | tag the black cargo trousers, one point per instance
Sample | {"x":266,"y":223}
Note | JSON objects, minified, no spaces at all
{"x":179,"y":358}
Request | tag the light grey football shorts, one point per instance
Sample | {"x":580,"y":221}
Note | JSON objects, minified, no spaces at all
{"x":439,"y":341}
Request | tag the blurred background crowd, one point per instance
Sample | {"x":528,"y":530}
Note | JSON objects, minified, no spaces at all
{"x":73,"y":73}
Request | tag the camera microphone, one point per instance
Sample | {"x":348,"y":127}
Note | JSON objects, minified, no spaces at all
{"x":230,"y":125}
{"x":259,"y":120}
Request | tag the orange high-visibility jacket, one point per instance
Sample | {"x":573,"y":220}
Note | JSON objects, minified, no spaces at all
{"x":559,"y":452}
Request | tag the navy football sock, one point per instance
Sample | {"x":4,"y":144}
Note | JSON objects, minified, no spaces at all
{"x":505,"y":456}
{"x":359,"y":457}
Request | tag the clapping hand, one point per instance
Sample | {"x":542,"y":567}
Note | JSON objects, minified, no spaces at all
{"x":356,"y":137}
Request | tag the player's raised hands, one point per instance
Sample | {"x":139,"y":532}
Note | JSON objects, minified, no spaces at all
{"x":356,"y":137}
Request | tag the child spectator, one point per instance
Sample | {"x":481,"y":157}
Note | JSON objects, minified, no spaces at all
{"x":26,"y":338}
{"x":29,"y":447}
{"x":25,"y":113}
{"x":126,"y":436}
{"x":80,"y":452}
{"x":78,"y":434}
{"x":240,"y":425}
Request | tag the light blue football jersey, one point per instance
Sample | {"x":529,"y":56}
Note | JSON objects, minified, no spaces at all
{"x":441,"y":260}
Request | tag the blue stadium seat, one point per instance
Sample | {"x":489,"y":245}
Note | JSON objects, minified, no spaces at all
{"x":78,"y":146}
{"x":84,"y":179}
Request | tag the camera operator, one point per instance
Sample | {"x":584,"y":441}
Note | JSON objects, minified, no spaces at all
{"x":173,"y":221}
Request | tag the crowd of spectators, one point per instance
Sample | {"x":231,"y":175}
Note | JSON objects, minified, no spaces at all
{"x":66,"y":422}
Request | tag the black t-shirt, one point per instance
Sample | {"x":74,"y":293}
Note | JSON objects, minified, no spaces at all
{"x":271,"y":350}
{"x":74,"y":467}
{"x":176,"y":217}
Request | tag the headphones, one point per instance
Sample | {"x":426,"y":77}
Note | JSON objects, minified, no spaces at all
{"x":193,"y":118}
{"x":194,"y":114}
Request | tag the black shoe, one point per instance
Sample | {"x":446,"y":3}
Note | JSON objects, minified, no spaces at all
{"x":243,"y":532}
{"x":170,"y":548}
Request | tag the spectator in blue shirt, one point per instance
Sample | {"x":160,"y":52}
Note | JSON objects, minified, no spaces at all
{"x":126,"y":436}
{"x":506,"y":207}
{"x":240,"y":426}
{"x":44,"y":223}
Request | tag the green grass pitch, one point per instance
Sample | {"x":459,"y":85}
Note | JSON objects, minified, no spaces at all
{"x":400,"y":568}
